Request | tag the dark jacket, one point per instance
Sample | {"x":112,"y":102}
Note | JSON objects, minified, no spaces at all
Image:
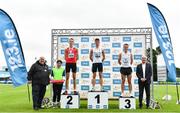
{"x":39,"y":74}
{"x":148,"y":73}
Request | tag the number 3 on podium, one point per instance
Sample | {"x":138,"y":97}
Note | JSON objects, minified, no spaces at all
{"x":128,"y":103}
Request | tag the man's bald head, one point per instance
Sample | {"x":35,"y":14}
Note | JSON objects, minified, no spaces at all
{"x":144,"y":59}
{"x":42,"y":60}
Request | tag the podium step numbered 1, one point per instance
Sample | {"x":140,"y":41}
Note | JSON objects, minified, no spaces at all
{"x":70,"y":101}
{"x":127,"y":103}
{"x":97,"y":100}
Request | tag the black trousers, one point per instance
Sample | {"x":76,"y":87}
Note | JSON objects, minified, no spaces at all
{"x":142,"y":86}
{"x":38,"y":92}
{"x":57,"y":88}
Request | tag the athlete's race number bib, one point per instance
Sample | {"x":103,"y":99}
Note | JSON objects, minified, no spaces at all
{"x":71,"y":55}
{"x":125,"y":61}
{"x":97,"y":54}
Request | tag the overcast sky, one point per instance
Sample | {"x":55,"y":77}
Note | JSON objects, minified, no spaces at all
{"x":34,"y":20}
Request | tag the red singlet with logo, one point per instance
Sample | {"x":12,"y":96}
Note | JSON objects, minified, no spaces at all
{"x":71,"y":55}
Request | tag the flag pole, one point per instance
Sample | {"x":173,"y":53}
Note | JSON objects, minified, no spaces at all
{"x":28,"y":93}
{"x":178,"y":102}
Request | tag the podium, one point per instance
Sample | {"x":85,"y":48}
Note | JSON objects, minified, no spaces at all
{"x":70,"y":101}
{"x":97,"y":100}
{"x":127,"y":102}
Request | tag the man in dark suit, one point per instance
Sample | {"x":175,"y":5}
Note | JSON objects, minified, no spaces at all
{"x":144,"y":73}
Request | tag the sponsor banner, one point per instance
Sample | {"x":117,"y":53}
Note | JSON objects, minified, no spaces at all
{"x":112,"y":46}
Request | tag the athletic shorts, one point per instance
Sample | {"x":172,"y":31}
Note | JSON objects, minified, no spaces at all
{"x":71,"y":66}
{"x":97,"y":67}
{"x":126,"y":70}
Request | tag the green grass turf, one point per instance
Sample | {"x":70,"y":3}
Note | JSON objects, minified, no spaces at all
{"x":15,"y":100}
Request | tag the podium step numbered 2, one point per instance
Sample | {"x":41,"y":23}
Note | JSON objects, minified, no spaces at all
{"x":70,"y":101}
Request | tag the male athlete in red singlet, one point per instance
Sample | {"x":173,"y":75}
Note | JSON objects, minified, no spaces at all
{"x":71,"y":57}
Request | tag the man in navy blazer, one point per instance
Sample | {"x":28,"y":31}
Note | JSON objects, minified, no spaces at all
{"x":144,"y":73}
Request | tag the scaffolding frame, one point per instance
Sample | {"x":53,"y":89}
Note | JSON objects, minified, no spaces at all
{"x":147,"y":31}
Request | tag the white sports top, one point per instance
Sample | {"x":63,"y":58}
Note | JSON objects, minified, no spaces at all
{"x":97,"y":55}
{"x":126,"y":59}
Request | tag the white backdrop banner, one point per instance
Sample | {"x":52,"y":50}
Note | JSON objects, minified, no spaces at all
{"x":111,"y":75}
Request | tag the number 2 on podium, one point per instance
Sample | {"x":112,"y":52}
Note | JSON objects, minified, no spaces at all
{"x":70,"y":100}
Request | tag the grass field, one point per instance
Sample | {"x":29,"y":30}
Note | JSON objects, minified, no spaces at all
{"x":15,"y":100}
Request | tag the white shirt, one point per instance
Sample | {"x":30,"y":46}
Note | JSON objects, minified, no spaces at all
{"x":126,"y":59}
{"x":97,"y":55}
{"x":144,"y":69}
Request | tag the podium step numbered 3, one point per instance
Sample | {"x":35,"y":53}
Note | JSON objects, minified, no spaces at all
{"x":127,"y":103}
